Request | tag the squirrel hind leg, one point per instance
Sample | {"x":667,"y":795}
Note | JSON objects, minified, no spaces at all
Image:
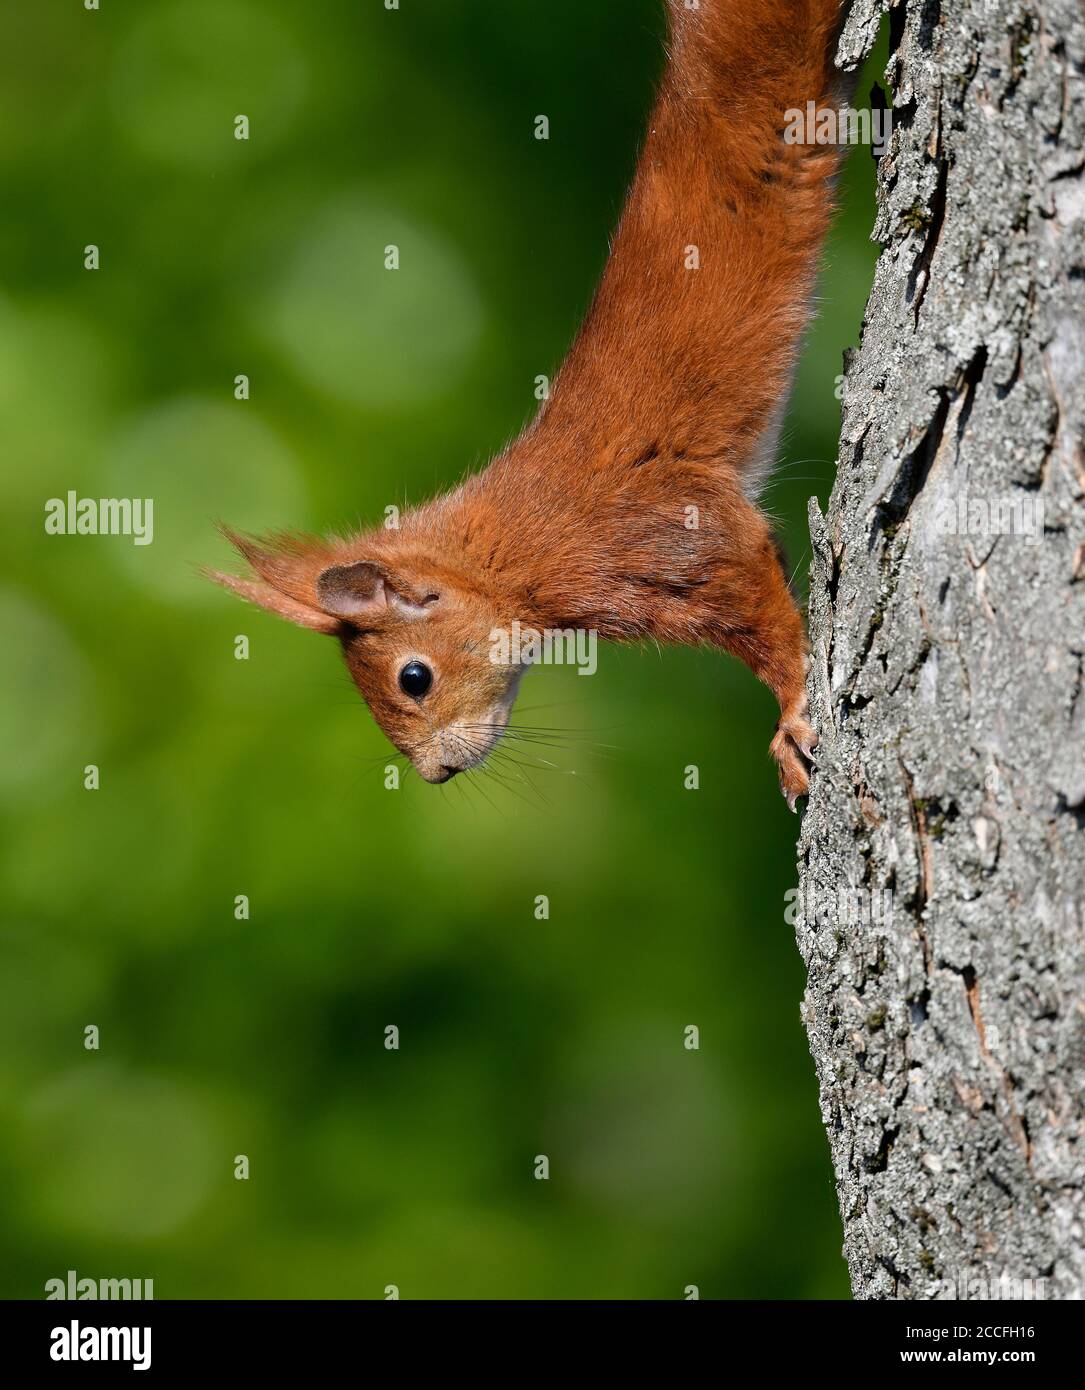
{"x":793,"y":750}
{"x":795,"y":740}
{"x":765,"y":630}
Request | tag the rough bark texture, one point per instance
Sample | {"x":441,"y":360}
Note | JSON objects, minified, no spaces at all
{"x":947,"y":1019}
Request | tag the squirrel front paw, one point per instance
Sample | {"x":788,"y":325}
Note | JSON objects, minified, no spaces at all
{"x":793,"y":749}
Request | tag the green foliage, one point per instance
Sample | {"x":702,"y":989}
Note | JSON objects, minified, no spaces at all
{"x":265,"y":777}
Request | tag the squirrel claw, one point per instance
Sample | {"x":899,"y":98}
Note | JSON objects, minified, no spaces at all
{"x":793,"y":749}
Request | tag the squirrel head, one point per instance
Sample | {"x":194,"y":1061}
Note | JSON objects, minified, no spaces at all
{"x":418,"y":637}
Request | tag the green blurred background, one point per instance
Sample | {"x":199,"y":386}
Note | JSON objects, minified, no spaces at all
{"x":265,"y":777}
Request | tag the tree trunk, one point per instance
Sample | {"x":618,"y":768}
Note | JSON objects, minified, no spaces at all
{"x":943,"y":848}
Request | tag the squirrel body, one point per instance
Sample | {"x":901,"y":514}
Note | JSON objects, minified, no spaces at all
{"x":628,"y":505}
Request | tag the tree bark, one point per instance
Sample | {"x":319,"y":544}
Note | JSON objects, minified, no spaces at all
{"x":942,"y":853}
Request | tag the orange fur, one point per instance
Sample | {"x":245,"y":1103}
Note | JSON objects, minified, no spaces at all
{"x":669,"y":400}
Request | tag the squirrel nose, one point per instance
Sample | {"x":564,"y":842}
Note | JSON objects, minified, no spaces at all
{"x":449,"y":772}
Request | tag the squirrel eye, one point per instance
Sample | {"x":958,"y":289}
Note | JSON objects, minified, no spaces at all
{"x":415,"y":679}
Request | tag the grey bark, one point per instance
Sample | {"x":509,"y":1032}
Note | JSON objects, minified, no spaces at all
{"x":946,"y":989}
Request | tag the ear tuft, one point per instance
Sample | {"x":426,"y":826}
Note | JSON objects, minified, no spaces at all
{"x":286,"y":566}
{"x":270,"y":599}
{"x":286,"y":560}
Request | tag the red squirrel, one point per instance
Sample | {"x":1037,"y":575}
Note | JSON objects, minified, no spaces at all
{"x":628,"y":506}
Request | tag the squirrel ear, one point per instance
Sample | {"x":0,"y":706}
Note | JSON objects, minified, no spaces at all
{"x":365,"y":590}
{"x":294,"y":579}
